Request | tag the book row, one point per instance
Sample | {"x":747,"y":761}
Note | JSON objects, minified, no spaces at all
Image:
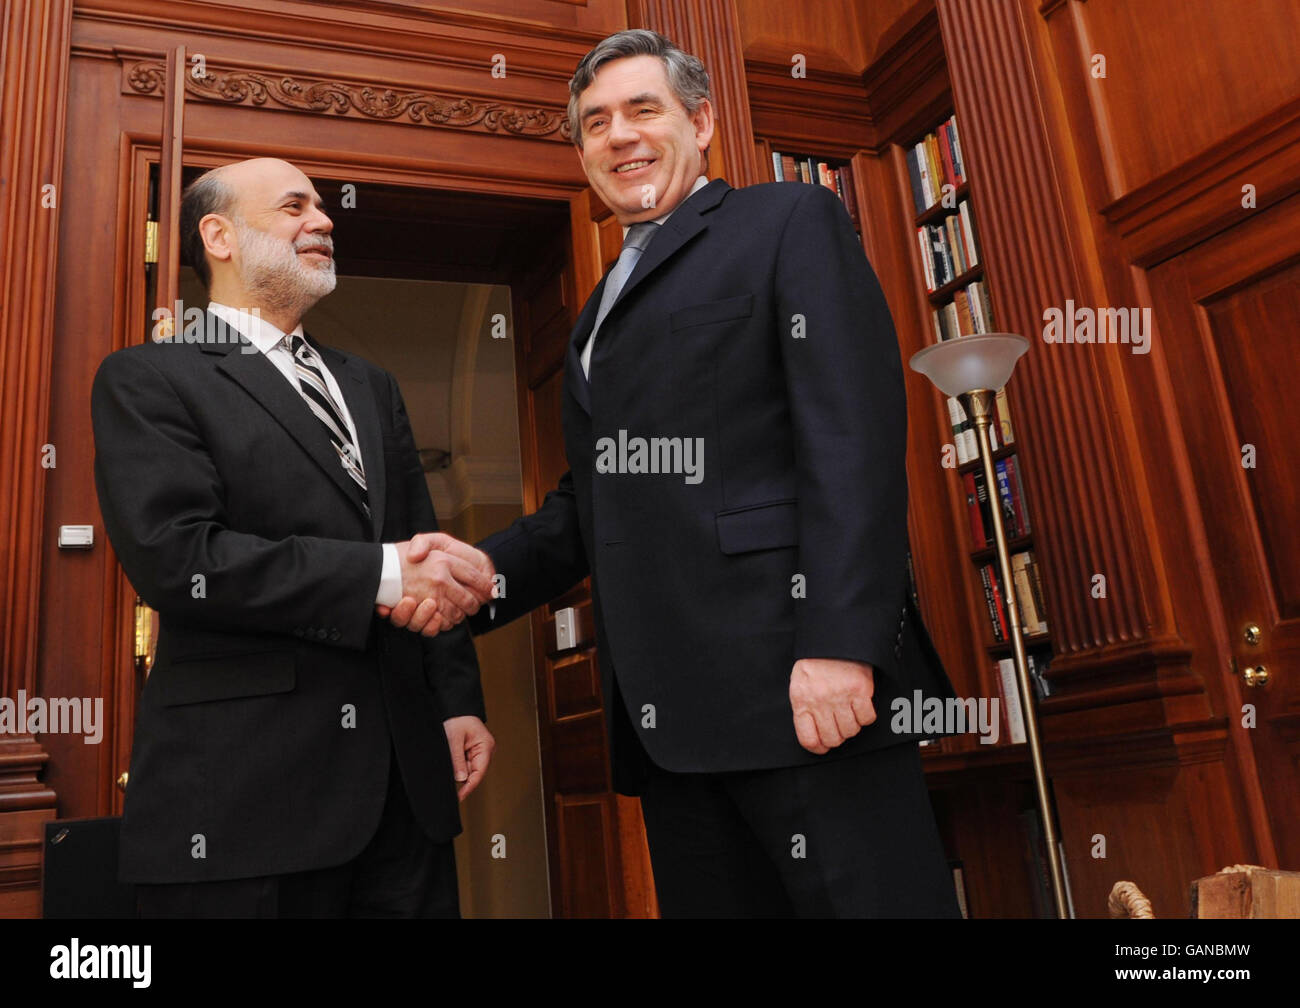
{"x":935,"y":161}
{"x":1013,"y":715}
{"x":948,"y":248}
{"x":802,"y":168}
{"x":968,"y":313}
{"x":1028,"y":594}
{"x":1011,"y":503}
{"x":963,"y":428}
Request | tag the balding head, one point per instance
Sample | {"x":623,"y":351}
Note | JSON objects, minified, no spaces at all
{"x":255,"y":231}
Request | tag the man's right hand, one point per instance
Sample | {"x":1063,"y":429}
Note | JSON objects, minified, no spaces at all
{"x":443,"y":581}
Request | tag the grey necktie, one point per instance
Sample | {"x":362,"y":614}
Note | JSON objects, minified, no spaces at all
{"x":638,"y":237}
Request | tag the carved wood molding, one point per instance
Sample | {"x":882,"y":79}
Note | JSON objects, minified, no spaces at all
{"x":1176,"y":746}
{"x":1203,"y":195}
{"x":824,"y":112}
{"x":911,"y":64}
{"x":352,"y":99}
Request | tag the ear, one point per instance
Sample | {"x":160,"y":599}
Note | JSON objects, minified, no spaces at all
{"x":218,"y":236}
{"x":704,"y":124}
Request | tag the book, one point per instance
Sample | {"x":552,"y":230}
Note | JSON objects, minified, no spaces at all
{"x":1010,"y":519}
{"x":990,"y":601}
{"x":959,"y":885}
{"x":968,"y":232}
{"x":974,"y":512}
{"x":1013,"y":713}
{"x":914,"y":178}
{"x":923,"y":164}
{"x":1018,"y":494}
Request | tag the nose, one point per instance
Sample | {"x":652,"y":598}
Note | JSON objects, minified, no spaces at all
{"x":622,"y":130}
{"x":319,"y":221}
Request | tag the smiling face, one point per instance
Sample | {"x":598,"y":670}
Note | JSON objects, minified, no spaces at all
{"x":642,"y":151}
{"x":273,"y":251}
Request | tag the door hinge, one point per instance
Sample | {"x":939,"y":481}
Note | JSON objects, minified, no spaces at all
{"x":150,"y":242}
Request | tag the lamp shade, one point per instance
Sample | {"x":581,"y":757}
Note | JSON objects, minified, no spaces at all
{"x":962,"y":365}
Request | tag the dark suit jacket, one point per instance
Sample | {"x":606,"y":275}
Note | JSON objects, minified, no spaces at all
{"x":232,"y":517}
{"x":753,"y":322}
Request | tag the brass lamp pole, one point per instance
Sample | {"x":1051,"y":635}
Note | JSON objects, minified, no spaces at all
{"x":973,"y":368}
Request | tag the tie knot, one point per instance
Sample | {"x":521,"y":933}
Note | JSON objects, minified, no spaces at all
{"x":297,"y":345}
{"x":639,"y":235}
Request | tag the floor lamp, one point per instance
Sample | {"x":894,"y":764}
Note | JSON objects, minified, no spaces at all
{"x":973,"y":368}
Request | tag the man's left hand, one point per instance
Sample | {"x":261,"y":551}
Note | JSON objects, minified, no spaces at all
{"x":471,"y":746}
{"x":831,"y":700}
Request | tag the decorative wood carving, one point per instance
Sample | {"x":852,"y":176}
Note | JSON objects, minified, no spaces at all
{"x":324,"y":96}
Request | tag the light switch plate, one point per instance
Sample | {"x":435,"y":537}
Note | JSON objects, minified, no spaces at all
{"x":566,"y":629}
{"x":76,"y":536}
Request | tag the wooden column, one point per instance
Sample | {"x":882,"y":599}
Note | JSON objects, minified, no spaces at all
{"x":708,"y":29}
{"x":33,"y":82}
{"x":1068,"y":401}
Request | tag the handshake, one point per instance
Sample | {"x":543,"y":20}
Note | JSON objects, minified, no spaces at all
{"x":443,"y":581}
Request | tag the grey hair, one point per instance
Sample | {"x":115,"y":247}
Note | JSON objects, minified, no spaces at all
{"x":686,"y":74}
{"x":205,"y":195}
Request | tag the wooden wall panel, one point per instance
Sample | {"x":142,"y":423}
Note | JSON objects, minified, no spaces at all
{"x":1180,"y":75}
{"x":33,"y":81}
{"x":829,"y":36}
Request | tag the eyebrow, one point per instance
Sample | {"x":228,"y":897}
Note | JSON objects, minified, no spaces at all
{"x":304,"y":197}
{"x":644,"y":98}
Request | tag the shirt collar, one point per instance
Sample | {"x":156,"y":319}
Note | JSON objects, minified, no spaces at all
{"x":251,"y":325}
{"x":700,"y":183}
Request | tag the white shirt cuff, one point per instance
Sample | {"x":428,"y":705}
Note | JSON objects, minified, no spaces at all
{"x":390,"y":578}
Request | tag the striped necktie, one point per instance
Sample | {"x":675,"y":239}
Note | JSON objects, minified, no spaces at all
{"x":311,"y":382}
{"x":638,"y":237}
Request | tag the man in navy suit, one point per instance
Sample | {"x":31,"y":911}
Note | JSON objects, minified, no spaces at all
{"x":735,"y":428}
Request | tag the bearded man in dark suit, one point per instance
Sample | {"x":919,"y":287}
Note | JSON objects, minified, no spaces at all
{"x":294,"y":756}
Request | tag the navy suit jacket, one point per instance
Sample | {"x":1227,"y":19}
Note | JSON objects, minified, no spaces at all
{"x":753,"y":323}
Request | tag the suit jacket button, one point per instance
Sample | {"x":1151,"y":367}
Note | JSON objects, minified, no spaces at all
{"x":321,"y":633}
{"x":297,"y":631}
{"x":335,"y":635}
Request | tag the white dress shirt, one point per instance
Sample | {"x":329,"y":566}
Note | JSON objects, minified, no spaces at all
{"x":275,"y":346}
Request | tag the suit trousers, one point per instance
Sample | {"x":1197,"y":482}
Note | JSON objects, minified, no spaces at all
{"x":852,"y":837}
{"x":399,"y":873}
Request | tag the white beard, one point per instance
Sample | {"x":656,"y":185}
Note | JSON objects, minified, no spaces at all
{"x":274,"y":273}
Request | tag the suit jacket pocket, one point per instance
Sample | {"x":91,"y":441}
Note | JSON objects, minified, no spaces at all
{"x":771,"y":525}
{"x":712,"y":311}
{"x":226,"y":678}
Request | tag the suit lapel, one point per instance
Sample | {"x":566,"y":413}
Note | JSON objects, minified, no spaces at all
{"x":351,"y":380}
{"x":687,"y":221}
{"x":262,"y":380}
{"x":574,"y":377}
